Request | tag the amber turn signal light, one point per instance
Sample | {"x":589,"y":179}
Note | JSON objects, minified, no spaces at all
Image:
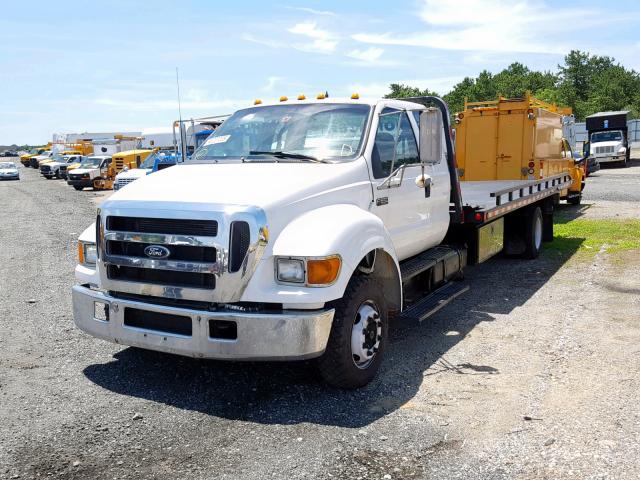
{"x":323,"y":271}
{"x":80,"y":253}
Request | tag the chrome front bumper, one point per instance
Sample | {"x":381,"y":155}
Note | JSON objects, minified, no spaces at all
{"x":291,"y":335}
{"x":611,"y":158}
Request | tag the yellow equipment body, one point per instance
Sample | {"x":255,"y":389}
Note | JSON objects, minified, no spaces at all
{"x":26,"y":158}
{"x":128,"y":158}
{"x":514,"y":139}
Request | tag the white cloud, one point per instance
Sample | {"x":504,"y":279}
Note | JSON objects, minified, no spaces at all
{"x":163,"y":105}
{"x":441,"y":85}
{"x":375,"y":90}
{"x":493,"y":25}
{"x":313,"y":11}
{"x":323,"y":41}
{"x":262,"y":41}
{"x":271,"y":83}
{"x":369,"y":55}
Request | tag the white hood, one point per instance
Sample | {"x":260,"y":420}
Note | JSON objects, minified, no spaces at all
{"x":134,"y":173}
{"x":80,"y":171}
{"x":9,"y":170}
{"x":265,"y":185}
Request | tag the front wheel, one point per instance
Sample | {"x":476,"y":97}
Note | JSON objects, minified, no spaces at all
{"x":358,"y":337}
{"x":78,"y":187}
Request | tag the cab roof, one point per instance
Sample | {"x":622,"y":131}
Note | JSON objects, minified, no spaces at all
{"x":131,"y":152}
{"x":372,"y":102}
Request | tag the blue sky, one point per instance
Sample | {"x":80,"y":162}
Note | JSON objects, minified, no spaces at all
{"x":93,"y":66}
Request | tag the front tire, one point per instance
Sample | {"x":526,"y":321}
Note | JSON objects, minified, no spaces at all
{"x":359,"y":335}
{"x":78,"y":187}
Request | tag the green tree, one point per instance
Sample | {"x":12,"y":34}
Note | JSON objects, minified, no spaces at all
{"x":399,"y":90}
{"x":586,"y":83}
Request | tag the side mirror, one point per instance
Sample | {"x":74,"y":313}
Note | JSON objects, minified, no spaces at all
{"x":431,"y":130}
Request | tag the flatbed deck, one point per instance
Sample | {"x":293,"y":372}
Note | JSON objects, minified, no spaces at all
{"x":492,"y":199}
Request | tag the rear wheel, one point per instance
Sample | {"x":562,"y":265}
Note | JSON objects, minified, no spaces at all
{"x":78,"y":187}
{"x":575,"y":200}
{"x":358,"y":337}
{"x":533,"y":233}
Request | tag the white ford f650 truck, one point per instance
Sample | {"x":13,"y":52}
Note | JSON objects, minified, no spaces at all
{"x":301,"y":230}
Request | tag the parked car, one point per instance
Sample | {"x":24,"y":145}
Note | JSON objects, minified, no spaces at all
{"x":9,"y":171}
{"x":9,"y":153}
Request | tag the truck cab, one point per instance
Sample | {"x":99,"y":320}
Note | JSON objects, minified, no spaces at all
{"x":25,"y":159}
{"x":52,"y":169}
{"x":300,"y":230}
{"x":90,"y":168}
{"x":608,"y":137}
{"x":156,"y":161}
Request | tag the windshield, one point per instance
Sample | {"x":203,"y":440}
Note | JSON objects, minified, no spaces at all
{"x":90,"y":162}
{"x":308,"y":131}
{"x":7,"y":165}
{"x":606,"y":136}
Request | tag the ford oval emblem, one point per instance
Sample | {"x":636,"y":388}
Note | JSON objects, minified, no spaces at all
{"x":157,"y":251}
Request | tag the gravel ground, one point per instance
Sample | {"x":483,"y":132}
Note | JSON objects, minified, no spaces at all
{"x":533,"y":374}
{"x":620,"y":201}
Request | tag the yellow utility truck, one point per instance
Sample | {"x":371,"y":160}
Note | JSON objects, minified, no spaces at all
{"x":120,"y":161}
{"x":515,"y":139}
{"x":26,"y":158}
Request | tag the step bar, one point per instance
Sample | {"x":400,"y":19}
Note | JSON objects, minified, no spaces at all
{"x":433,"y":302}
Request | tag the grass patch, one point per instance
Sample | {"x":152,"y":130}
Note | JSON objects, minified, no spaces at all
{"x":591,"y":235}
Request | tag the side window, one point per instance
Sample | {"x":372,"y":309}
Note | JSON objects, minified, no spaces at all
{"x":416,"y":116}
{"x":407,"y":147}
{"x":391,"y":127}
{"x":383,"y":147}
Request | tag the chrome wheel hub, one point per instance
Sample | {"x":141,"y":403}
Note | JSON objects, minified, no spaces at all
{"x":366,"y":334}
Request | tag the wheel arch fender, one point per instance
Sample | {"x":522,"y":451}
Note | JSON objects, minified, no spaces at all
{"x":352,"y":233}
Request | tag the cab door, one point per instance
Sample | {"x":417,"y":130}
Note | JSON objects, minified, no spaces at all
{"x":398,"y":201}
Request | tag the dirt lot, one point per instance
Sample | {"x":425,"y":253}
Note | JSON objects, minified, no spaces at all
{"x":533,"y":374}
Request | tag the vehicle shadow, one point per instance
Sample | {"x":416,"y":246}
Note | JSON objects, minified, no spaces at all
{"x":564,"y":212}
{"x":291,"y":393}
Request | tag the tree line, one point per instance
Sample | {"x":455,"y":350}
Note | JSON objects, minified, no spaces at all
{"x":586,"y":83}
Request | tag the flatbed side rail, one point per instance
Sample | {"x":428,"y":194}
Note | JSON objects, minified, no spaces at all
{"x":512,"y":198}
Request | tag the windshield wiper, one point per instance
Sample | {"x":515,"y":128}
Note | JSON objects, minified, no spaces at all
{"x":281,"y":154}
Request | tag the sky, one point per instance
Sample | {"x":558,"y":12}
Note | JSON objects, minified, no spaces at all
{"x":70,"y":66}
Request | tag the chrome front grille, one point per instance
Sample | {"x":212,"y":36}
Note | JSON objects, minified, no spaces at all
{"x":171,"y":226}
{"x":202,"y":259}
{"x":121,"y":182}
{"x":605,"y":149}
{"x":190,"y":258}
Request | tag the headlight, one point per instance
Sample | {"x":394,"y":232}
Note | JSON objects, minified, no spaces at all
{"x":290,"y":270}
{"x":87,"y":253}
{"x":313,"y":271}
{"x":622,"y":150}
